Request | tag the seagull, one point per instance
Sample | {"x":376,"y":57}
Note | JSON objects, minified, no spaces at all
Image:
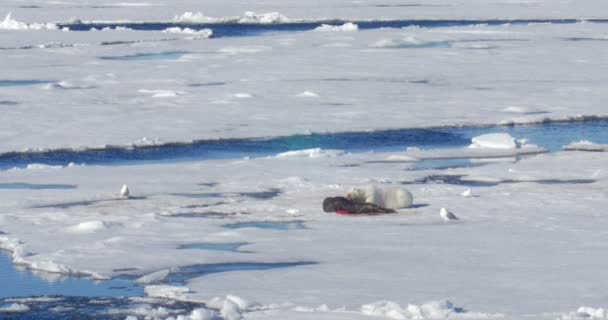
{"x":446,"y":215}
{"x":124,"y":191}
{"x":467,"y":193}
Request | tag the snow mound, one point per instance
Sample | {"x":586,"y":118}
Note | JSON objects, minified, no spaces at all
{"x":592,"y":313}
{"x":430,"y":310}
{"x":196,"y":34}
{"x":494,"y":141}
{"x":15,"y":307}
{"x":401,"y":158}
{"x":231,"y":307}
{"x":67,"y":86}
{"x":310,"y":153}
{"x":11,"y":24}
{"x":194,"y":17}
{"x":586,"y":145}
{"x":521,"y":110}
{"x":88,"y":227}
{"x":586,"y":313}
{"x":347,"y":27}
{"x":199,"y":314}
{"x":161,"y":93}
{"x":263,"y":18}
{"x":247,"y":17}
{"x":243,"y":95}
{"x":307,"y":94}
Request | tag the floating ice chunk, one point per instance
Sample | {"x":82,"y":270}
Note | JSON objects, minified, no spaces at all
{"x":264,"y":18}
{"x":49,"y":266}
{"x":347,"y":27}
{"x":15,"y":308}
{"x":118,"y":28}
{"x":88,"y":227}
{"x":586,"y":145}
{"x":11,"y":24}
{"x":494,"y":141}
{"x":447,"y":215}
{"x":310,"y":153}
{"x":153,"y":278}
{"x":198,"y":34}
{"x":307,"y":94}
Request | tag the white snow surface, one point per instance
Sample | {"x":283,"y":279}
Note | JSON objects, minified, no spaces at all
{"x":529,"y":245}
{"x":407,"y":258}
{"x":436,"y":82}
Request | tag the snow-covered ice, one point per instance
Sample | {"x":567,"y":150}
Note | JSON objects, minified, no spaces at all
{"x":532,"y":233}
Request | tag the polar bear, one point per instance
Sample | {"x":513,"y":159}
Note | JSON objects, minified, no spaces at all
{"x":391,"y":197}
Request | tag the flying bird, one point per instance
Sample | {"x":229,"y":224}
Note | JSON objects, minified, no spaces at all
{"x":447,"y":216}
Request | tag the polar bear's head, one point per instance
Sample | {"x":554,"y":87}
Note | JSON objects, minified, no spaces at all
{"x":357,"y":194}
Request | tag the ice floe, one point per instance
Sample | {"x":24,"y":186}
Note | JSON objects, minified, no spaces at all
{"x":247,"y":17}
{"x":203,"y":33}
{"x":14,"y":308}
{"x":11,"y":24}
{"x":310,"y":153}
{"x":586,"y":145}
{"x":347,"y":27}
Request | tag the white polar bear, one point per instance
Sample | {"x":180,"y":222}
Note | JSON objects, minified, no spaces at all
{"x":391,"y":197}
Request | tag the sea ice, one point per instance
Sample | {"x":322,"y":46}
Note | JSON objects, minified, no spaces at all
{"x":494,"y":141}
{"x":15,"y":308}
{"x":347,"y":27}
{"x":586,"y":145}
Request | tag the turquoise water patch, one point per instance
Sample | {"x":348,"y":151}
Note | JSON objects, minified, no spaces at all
{"x":18,"y":83}
{"x":20,"y":282}
{"x":36,"y":186}
{"x":552,"y":136}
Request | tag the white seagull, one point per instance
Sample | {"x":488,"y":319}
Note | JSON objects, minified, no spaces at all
{"x":124,"y":191}
{"x":467,"y":193}
{"x":447,"y":216}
